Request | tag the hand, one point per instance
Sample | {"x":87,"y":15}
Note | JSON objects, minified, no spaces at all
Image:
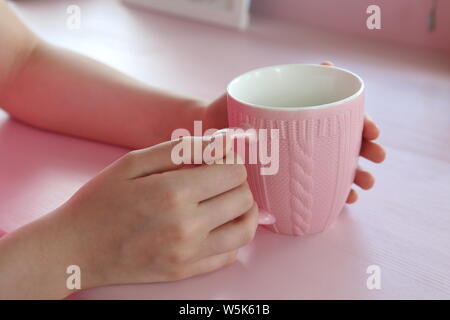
{"x":216,"y":117}
{"x":144,"y":219}
{"x":369,"y":150}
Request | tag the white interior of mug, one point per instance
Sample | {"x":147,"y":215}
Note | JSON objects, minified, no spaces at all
{"x":296,"y":86}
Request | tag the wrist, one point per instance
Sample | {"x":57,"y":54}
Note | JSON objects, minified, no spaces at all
{"x":31,"y":266}
{"x":36,"y":257}
{"x":75,"y":242}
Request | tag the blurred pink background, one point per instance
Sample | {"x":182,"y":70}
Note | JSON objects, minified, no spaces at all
{"x":402,"y":21}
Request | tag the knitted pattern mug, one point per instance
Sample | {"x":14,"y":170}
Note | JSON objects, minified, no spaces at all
{"x":318,"y":112}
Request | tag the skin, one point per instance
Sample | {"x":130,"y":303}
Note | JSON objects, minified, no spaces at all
{"x":139,"y":220}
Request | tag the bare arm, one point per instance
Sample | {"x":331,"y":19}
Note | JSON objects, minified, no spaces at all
{"x":17,"y":43}
{"x":55,"y":89}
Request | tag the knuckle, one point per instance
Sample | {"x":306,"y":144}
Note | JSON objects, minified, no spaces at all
{"x":173,"y":197}
{"x":247,"y":198}
{"x":178,"y":256}
{"x":130,"y":158}
{"x":171,"y":194}
{"x":248,"y":236}
{"x":254,"y":210}
{"x":181,"y":232}
{"x":250,"y":226}
{"x":239,"y":172}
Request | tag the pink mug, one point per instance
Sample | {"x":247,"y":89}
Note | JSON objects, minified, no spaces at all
{"x":318,"y":114}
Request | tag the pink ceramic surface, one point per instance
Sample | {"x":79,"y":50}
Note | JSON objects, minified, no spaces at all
{"x":318,"y":112}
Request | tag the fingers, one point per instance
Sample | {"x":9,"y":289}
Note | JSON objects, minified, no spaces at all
{"x":232,"y":235}
{"x":207,"y":181}
{"x":364,"y":179}
{"x":372,"y":151}
{"x":169,"y":156}
{"x":371,"y":130}
{"x":227,"y":206}
{"x":369,"y":150}
{"x":352,"y":197}
{"x":205,"y":265}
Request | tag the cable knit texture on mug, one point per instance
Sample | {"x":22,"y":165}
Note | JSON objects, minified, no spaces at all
{"x":301,"y":182}
{"x":318,"y":156}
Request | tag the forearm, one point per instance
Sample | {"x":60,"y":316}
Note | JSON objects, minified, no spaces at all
{"x":68,"y":93}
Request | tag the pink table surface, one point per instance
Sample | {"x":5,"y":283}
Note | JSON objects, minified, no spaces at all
{"x":403,"y":225}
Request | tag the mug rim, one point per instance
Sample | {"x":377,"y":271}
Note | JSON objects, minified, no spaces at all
{"x":313,"y":107}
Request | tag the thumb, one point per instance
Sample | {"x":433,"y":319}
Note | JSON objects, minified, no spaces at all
{"x":166,"y":156}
